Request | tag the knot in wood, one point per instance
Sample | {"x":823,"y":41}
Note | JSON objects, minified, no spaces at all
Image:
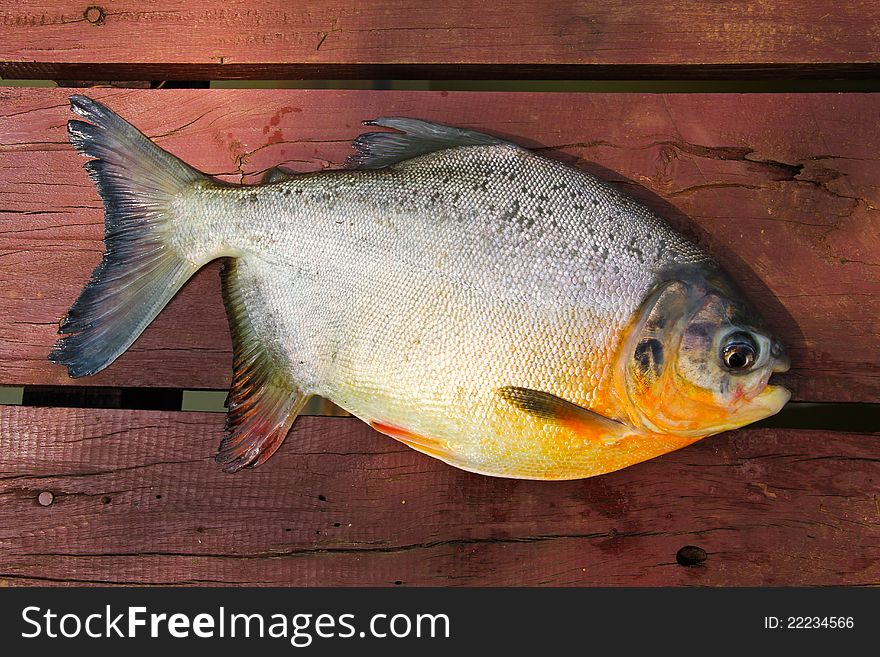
{"x":95,"y":15}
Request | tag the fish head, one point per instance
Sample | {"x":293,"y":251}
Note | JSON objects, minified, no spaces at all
{"x":697,"y":360}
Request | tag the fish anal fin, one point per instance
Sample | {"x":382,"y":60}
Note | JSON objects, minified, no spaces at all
{"x":578,"y":419}
{"x":263,"y":400}
{"x":430,"y":446}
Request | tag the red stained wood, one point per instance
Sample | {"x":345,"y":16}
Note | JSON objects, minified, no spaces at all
{"x":782,"y":189}
{"x":210,"y":39}
{"x":137,"y":499}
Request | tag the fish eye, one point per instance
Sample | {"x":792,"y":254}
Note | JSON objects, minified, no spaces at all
{"x":740,"y":352}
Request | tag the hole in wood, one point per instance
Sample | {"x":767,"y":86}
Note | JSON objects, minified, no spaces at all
{"x":691,"y":555}
{"x":95,"y":15}
{"x":106,"y":499}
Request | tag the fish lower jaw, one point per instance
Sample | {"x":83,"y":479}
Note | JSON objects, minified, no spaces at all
{"x":769,"y":402}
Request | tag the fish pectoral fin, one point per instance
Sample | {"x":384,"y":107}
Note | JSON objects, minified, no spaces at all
{"x":430,"y":446}
{"x":263,"y":401}
{"x":376,"y":150}
{"x":565,"y":413}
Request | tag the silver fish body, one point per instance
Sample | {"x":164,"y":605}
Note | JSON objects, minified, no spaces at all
{"x":479,"y":302}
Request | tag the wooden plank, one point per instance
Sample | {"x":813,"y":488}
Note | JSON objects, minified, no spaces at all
{"x":782,"y":189}
{"x":213,"y":39}
{"x":133,"y":497}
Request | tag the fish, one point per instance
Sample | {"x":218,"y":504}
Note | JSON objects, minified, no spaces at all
{"x":485,"y":305}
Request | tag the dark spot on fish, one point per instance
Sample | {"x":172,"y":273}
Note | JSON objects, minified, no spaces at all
{"x":158,"y":497}
{"x":525,"y":221}
{"x":594,"y":201}
{"x":558,"y":186}
{"x":482,"y":186}
{"x":322,"y":498}
{"x":578,"y":206}
{"x":691,"y":555}
{"x":649,"y":356}
{"x":297,"y":191}
{"x":336,"y":524}
{"x":492,"y":207}
{"x":511,"y":213}
{"x":543,"y":197}
{"x":200,"y":530}
{"x":635,"y":250}
{"x":435,"y":197}
{"x":661,"y":249}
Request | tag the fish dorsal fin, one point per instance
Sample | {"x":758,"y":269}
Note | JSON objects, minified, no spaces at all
{"x":263,"y":401}
{"x":376,"y":150}
{"x":277,"y":174}
{"x":560,"y":411}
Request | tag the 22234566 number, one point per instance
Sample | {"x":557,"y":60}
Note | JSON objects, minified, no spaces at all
{"x":809,"y":622}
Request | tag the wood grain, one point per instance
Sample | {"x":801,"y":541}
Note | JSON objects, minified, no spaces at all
{"x":136,"y":499}
{"x":782,"y":189}
{"x":210,"y":39}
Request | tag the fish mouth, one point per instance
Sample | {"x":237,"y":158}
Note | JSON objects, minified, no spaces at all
{"x":771,"y":400}
{"x":781,"y":360}
{"x":774,"y":392}
{"x":781,"y":364}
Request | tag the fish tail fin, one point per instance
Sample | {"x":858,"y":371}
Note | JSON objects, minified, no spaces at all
{"x":140,"y":270}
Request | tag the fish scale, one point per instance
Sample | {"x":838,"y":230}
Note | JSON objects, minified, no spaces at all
{"x":479,"y":302}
